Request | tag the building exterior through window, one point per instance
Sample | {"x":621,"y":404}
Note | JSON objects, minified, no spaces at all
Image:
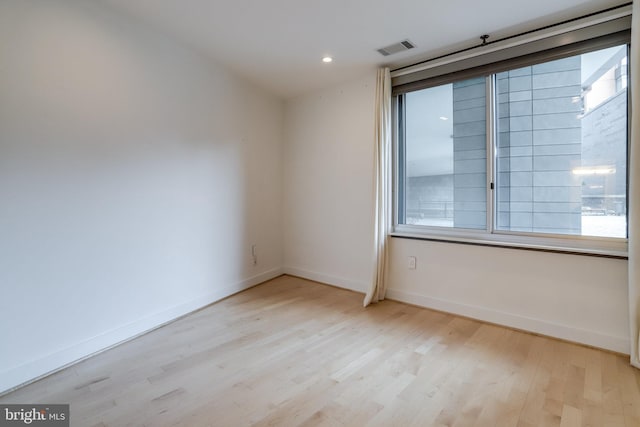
{"x":560,"y":147}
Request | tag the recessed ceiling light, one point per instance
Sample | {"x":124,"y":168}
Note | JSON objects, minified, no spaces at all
{"x":327,"y":59}
{"x":444,"y":118}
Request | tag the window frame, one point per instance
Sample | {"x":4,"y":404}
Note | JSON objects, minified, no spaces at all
{"x":491,"y":235}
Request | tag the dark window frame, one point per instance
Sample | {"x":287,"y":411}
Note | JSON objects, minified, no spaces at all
{"x":599,"y":36}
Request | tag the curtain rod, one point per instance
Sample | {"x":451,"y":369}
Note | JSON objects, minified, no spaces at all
{"x":421,"y":65}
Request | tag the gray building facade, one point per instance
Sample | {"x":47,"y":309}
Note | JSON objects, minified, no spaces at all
{"x":561,"y":150}
{"x":539,"y":144}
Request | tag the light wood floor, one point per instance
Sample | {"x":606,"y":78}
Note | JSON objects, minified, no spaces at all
{"x":294,"y":352}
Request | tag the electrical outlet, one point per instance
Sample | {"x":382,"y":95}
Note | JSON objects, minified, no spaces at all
{"x":412,"y":263}
{"x":254,"y":254}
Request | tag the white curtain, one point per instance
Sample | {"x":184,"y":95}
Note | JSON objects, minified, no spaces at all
{"x":634,"y":190}
{"x":382,"y":185}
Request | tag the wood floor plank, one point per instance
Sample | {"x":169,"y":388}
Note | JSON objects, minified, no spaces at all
{"x":291,"y":352}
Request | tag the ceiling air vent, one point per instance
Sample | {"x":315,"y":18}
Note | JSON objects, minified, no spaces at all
{"x":396,"y":47}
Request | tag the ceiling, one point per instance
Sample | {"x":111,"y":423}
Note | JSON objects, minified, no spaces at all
{"x":279,"y":44}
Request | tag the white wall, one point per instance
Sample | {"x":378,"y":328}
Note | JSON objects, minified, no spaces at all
{"x":328,"y":184}
{"x":574,"y":297}
{"x":134,"y":176}
{"x":328,"y":207}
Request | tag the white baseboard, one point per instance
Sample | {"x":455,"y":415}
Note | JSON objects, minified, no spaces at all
{"x":352,"y":285}
{"x":44,"y":366}
{"x":569,"y":333}
{"x":34,"y":370}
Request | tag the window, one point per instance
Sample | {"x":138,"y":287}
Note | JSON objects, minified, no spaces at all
{"x":532,"y":154}
{"x":562,"y":146}
{"x":446,"y":157}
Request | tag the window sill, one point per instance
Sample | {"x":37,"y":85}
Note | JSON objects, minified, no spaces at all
{"x":588,"y":246}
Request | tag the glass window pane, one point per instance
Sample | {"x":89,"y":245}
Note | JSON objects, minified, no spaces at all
{"x":562,"y":146}
{"x":445,"y":155}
